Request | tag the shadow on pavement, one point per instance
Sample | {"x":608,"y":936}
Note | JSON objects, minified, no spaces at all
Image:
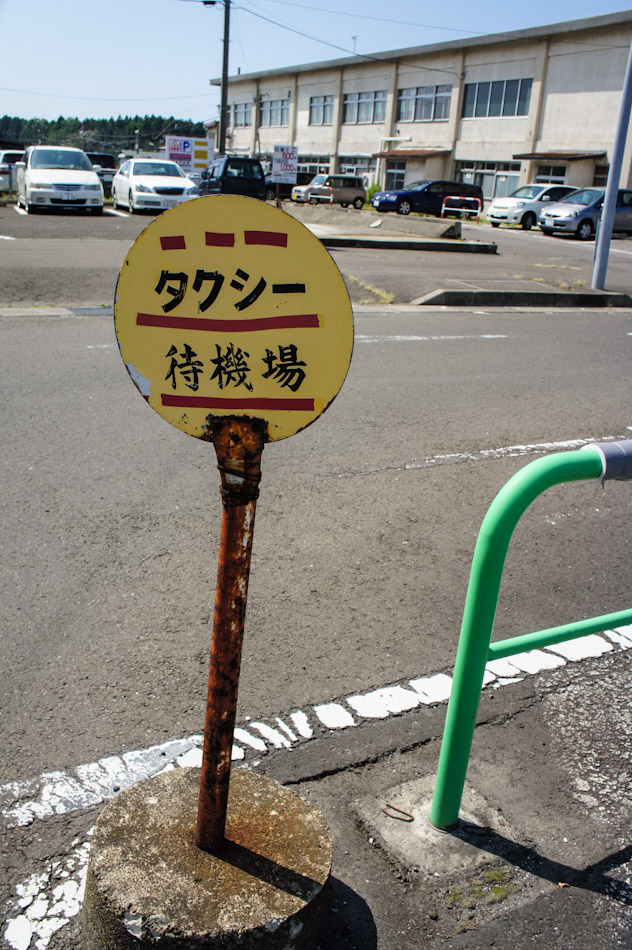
{"x":592,"y":878}
{"x":347,"y":921}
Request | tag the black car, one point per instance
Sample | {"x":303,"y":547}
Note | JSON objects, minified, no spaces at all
{"x":428,"y":197}
{"x":106,"y":171}
{"x":285,"y":191}
{"x":234,"y":176}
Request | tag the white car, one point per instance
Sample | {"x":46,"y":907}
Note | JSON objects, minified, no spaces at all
{"x":152,"y":184}
{"x":524,"y":205}
{"x":54,"y":177}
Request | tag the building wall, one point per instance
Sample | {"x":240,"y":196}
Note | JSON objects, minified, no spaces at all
{"x":576,"y":81}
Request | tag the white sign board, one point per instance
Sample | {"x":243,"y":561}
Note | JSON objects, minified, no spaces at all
{"x":284,"y":164}
{"x":192,"y":155}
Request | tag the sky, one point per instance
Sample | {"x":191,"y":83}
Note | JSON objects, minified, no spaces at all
{"x":141,"y":57}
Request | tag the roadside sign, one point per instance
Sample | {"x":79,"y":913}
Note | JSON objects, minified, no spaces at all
{"x":284,"y":164}
{"x":229,"y":307}
{"x":192,"y":155}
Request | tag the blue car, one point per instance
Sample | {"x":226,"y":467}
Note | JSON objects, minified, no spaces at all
{"x":427,"y":197}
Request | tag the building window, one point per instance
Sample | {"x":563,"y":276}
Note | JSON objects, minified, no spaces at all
{"x":600,"y":179}
{"x":313,"y":163}
{"x":275,"y":112}
{"x":364,"y":108}
{"x":555,"y":174}
{"x":423,"y":103}
{"x":321,"y":110}
{"x":357,"y":165}
{"x":497,"y":179}
{"x":505,"y":97}
{"x":242,"y":114}
{"x":395,"y":176}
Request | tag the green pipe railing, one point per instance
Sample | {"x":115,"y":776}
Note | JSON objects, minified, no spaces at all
{"x":475,"y":647}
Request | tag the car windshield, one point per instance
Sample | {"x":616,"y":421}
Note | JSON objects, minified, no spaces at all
{"x":105,"y":161}
{"x":416,"y":185}
{"x":60,"y":158}
{"x":166,"y":169}
{"x":243,"y":170}
{"x":528,"y":191}
{"x":318,"y":180}
{"x":584,"y":197}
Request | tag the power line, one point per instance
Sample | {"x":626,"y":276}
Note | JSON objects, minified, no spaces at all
{"x":360,"y":56}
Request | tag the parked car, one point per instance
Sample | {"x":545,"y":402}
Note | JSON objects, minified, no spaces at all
{"x":524,"y":205}
{"x":8,"y":177}
{"x":579,"y":213}
{"x":344,"y":190}
{"x":105,"y":167}
{"x":53,"y":177}
{"x":152,"y":184}
{"x":231,"y":175}
{"x":427,"y":197}
{"x":285,"y":191}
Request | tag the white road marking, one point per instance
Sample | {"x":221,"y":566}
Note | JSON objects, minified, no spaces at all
{"x":19,"y":210}
{"x":505,"y":451}
{"x":5,"y":237}
{"x":119,"y":214}
{"x":384,"y":338}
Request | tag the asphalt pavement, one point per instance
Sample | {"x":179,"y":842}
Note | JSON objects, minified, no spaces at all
{"x":544,"y":857}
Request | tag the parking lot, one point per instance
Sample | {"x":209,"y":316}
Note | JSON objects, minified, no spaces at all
{"x":73,"y":260}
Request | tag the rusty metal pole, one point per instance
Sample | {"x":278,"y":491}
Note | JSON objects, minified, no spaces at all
{"x":239,"y":444}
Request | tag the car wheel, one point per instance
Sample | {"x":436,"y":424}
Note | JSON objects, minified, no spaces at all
{"x":130,"y":203}
{"x":404,"y":206}
{"x":546,"y":230}
{"x":97,"y":210}
{"x":495,"y":224}
{"x":584,"y":230}
{"x":270,"y":194}
{"x":358,"y":203}
{"x":528,"y":221}
{"x":344,"y":204}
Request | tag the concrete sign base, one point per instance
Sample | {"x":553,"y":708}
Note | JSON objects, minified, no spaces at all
{"x":149,"y":886}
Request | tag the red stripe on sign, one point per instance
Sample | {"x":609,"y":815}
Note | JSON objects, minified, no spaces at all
{"x":173,"y":243}
{"x":252,"y":402}
{"x":275,"y":238}
{"x":290,"y":322}
{"x":220,"y":239}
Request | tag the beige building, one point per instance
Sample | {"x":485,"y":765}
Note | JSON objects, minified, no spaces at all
{"x":498,"y":110}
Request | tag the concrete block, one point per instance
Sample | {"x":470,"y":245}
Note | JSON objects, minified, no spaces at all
{"x":149,"y":886}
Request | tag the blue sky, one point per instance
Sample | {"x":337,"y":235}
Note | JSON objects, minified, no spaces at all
{"x":128,"y":57}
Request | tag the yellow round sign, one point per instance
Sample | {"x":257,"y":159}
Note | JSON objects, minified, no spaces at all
{"x":227,"y":306}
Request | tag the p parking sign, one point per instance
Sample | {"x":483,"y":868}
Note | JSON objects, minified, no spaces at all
{"x":226,"y":306}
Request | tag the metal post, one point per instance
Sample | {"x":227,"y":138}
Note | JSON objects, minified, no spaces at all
{"x":479,"y":613}
{"x":239,"y":445}
{"x":604,"y":232}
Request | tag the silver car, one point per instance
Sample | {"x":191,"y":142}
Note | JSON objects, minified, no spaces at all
{"x":523,"y":206}
{"x":580,"y":212}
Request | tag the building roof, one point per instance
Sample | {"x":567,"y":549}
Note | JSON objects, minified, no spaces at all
{"x":560,"y":156}
{"x":537,"y":32}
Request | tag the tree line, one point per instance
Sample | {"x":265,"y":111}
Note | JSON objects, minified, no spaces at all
{"x":98,"y":135}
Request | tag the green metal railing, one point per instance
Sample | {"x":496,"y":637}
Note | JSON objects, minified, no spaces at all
{"x":475,"y":647}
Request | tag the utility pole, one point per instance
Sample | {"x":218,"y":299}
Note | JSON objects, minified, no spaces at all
{"x":223,"y":109}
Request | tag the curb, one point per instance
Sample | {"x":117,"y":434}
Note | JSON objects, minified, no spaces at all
{"x":521,"y":298}
{"x":409,"y":244}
